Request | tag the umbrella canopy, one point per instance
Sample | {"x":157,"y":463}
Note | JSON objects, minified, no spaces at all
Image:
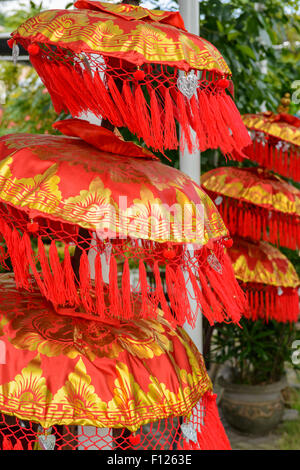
{"x":59,"y":195}
{"x":268,"y":278}
{"x":256,"y":204}
{"x":125,"y":60}
{"x":276,"y":142}
{"x":68,"y":179}
{"x":61,"y":371}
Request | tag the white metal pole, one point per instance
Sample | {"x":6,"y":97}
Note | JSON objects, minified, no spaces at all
{"x":190,"y":163}
{"x":90,"y":434}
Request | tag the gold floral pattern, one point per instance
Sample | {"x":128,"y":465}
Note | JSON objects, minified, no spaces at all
{"x":265,"y":122}
{"x":29,"y":386}
{"x":105,"y":33}
{"x":262,"y":263}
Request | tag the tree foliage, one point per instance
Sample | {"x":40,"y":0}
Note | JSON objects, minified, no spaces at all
{"x":257,"y":352}
{"x":27,"y":106}
{"x":17,"y":16}
{"x":250,"y":38}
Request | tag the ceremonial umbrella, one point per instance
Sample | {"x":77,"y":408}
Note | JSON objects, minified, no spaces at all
{"x":268,"y":278}
{"x":136,"y":68}
{"x":276,"y":142}
{"x":62,"y":371}
{"x":59,"y":194}
{"x":255,"y":203}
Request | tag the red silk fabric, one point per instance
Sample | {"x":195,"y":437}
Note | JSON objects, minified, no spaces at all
{"x":262,"y":263}
{"x":132,"y":12}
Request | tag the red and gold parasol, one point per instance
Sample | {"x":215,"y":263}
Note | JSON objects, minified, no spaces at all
{"x":276,"y":142}
{"x":256,"y":204}
{"x":68,"y":180}
{"x":63,"y":201}
{"x":62,"y":371}
{"x":268,"y":278}
{"x":136,"y":68}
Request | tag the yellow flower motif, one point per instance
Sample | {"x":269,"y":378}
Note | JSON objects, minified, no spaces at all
{"x":28,"y":388}
{"x":151,"y":341}
{"x":262,"y":263}
{"x":96,"y":201}
{"x":149,"y":218}
{"x":95,"y":204}
{"x":87,"y":373}
{"x":201,"y":221}
{"x":100,"y":31}
{"x":42,"y":331}
{"x":143,"y":339}
{"x":153,"y":43}
{"x":43,"y":186}
{"x":214,"y":58}
{"x":105,"y":33}
{"x":258,"y":195}
{"x":198,"y":371}
{"x":245,"y":186}
{"x":126,"y":393}
{"x":130,"y":401}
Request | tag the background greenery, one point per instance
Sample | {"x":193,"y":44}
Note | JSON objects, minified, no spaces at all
{"x":257,"y":352}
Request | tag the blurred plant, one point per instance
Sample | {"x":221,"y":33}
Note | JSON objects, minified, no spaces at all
{"x":28,"y":106}
{"x":20,"y":14}
{"x":257,"y":352}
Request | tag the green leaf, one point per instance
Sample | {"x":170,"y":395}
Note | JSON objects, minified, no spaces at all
{"x":220,"y":26}
{"x":264,"y":38}
{"x":233,"y":35}
{"x":246,"y":50}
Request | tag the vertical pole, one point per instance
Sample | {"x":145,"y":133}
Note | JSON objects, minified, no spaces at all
{"x":190,"y":164}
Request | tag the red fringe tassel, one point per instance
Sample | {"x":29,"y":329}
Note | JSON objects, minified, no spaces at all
{"x":257,"y":223}
{"x":266,"y":303}
{"x":214,"y":292}
{"x":211,"y":434}
{"x":267,"y":155}
{"x":211,"y":113}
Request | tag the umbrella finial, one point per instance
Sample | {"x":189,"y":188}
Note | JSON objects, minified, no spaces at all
{"x":285,"y":102}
